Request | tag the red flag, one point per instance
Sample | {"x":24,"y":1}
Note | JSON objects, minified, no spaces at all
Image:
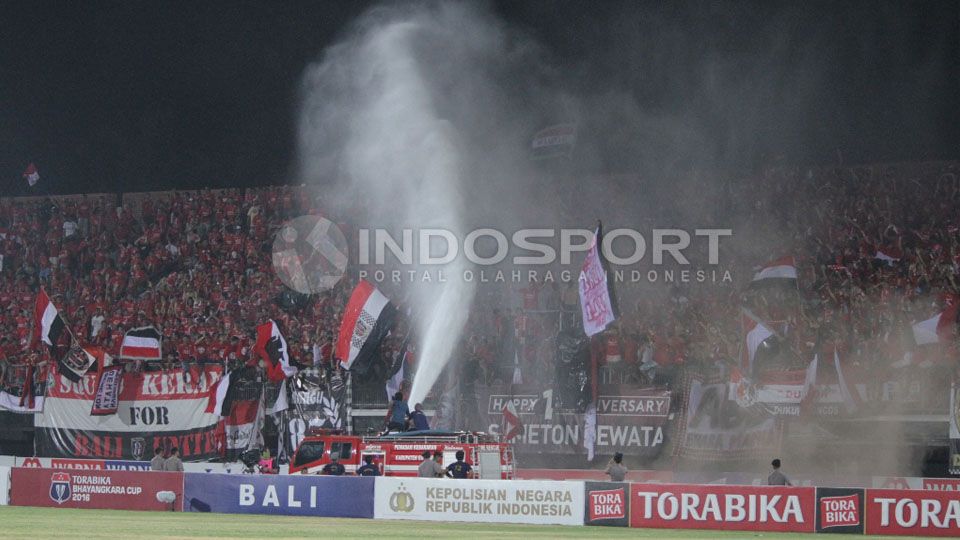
{"x":272,"y":347}
{"x":367,"y":319}
{"x":512,"y":426}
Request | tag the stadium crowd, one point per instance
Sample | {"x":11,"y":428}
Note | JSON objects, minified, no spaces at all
{"x":877,"y":248}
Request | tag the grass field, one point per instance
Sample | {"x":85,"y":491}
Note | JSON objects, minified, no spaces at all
{"x":33,"y":523}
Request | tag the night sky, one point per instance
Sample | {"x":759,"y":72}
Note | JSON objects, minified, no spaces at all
{"x":113,"y":96}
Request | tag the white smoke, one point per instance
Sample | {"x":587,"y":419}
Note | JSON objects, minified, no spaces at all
{"x":383,"y":120}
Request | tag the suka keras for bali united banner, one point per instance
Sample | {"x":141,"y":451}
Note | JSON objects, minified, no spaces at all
{"x":630,"y":419}
{"x":485,"y":501}
{"x":155,"y":409}
{"x":741,"y":508}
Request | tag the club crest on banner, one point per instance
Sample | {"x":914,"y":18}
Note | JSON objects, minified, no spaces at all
{"x":60,"y":487}
{"x":138,"y":446}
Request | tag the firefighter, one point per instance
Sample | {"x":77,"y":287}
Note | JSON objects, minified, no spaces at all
{"x":368,"y":468}
{"x":459,"y":468}
{"x":334,"y":468}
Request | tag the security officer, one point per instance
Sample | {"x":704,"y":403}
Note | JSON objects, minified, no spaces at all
{"x":156,"y":464}
{"x":368,"y":468}
{"x":776,"y":477}
{"x":426,"y":467}
{"x":459,"y":468}
{"x":616,"y":469}
{"x":173,"y":463}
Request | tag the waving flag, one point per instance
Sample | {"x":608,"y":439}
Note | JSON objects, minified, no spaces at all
{"x":141,"y":344}
{"x":849,"y":393}
{"x":368,"y":318}
{"x":397,"y":371}
{"x":272,"y":347}
{"x":31,"y":175}
{"x":220,"y":400}
{"x":48,"y":325}
{"x":940,"y":327}
{"x":597,"y":303}
{"x":754,"y":334}
{"x":76,"y":362}
{"x":512,"y":426}
{"x":780,"y":271}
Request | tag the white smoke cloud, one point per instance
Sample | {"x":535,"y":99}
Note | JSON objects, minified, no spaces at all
{"x":383,"y":119}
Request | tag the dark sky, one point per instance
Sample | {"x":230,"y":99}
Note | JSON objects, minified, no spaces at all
{"x":153,"y":95}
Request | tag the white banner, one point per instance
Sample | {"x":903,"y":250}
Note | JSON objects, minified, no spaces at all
{"x":4,"y":486}
{"x":498,"y":501}
{"x":595,"y":303}
{"x":148,"y":402}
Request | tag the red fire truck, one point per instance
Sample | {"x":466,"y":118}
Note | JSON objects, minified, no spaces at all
{"x":399,"y":454}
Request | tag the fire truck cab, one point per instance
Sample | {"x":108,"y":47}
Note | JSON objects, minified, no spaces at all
{"x":399,"y":454}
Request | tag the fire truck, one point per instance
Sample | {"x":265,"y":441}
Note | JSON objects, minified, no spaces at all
{"x":399,"y":454}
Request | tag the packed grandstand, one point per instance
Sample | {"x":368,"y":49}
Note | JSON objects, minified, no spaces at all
{"x":875,"y":248}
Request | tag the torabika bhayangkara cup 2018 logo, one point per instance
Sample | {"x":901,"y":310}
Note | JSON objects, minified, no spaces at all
{"x":60,"y":487}
{"x":402,"y":500}
{"x":310,"y":254}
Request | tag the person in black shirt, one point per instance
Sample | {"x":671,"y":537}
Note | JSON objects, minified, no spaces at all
{"x":459,"y":468}
{"x":334,"y":468}
{"x":368,"y":468}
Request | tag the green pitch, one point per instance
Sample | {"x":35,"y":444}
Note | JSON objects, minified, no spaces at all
{"x":34,"y":523}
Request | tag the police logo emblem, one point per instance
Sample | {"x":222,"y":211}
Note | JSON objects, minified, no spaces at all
{"x":60,"y":487}
{"x":402,"y":500}
{"x":137,"y":447}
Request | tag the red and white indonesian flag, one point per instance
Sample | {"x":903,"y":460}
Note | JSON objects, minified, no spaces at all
{"x":47,"y":323}
{"x":368,"y":318}
{"x":754,"y":333}
{"x":939,"y":328}
{"x":596,"y":302}
{"x":272,"y":347}
{"x":782,"y":270}
{"x":242,"y":424}
{"x":31,"y":175}
{"x":512,"y":426}
{"x":141,"y":344}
